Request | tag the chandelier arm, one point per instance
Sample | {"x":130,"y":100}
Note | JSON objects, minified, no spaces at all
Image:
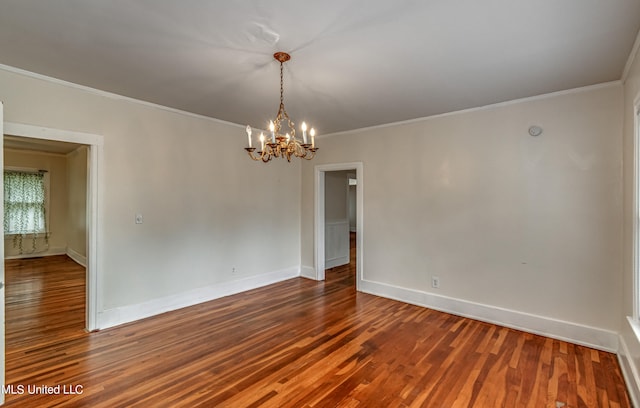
{"x":250,"y":151}
{"x":313,"y":154}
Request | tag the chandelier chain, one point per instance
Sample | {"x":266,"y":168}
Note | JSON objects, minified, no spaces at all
{"x":281,"y":85}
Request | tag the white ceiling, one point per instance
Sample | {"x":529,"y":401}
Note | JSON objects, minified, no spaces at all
{"x":355,"y":63}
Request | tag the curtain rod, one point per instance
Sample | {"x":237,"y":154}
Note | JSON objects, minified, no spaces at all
{"x":26,"y":170}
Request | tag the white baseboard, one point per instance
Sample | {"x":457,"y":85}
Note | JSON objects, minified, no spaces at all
{"x":49,"y":252}
{"x":130,"y":313}
{"x":77,"y":257}
{"x":308,"y":272}
{"x":332,"y":263}
{"x":629,"y":372}
{"x":562,"y":330}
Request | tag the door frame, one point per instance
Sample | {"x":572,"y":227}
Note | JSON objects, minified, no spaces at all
{"x":94,"y":209}
{"x":319,"y":221}
{"x":2,"y":277}
{"x":635,"y":250}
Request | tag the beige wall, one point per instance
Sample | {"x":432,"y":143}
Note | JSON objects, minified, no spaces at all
{"x":56,"y":165}
{"x":207,"y":208}
{"x":336,"y":188}
{"x":504,"y":219}
{"x":352,"y":208}
{"x":77,"y":201}
{"x":336,"y":215}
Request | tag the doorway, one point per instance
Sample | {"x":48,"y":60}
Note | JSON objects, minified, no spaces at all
{"x":28,"y":134}
{"x":356,"y":169}
{"x":45,"y":273}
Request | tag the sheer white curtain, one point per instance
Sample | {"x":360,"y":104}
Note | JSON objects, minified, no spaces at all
{"x":25,"y":208}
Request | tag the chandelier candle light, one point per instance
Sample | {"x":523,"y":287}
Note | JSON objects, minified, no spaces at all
{"x":283,"y":145}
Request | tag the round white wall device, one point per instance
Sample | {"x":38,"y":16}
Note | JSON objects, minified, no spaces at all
{"x":535,"y":130}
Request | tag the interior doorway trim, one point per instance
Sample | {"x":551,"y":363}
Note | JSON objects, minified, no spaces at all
{"x":319,"y":223}
{"x":94,"y":209}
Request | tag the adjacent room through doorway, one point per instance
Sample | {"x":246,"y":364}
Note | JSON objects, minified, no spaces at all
{"x":339,"y":221}
{"x":46,"y":247}
{"x":340,"y":226}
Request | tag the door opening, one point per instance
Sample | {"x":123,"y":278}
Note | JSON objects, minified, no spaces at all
{"x":320,"y":224}
{"x":340,"y":265}
{"x":29,"y":283}
{"x":93,"y":162}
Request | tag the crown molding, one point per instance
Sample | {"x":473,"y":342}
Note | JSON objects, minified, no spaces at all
{"x":111,"y":95}
{"x":632,"y":56}
{"x":479,"y":108}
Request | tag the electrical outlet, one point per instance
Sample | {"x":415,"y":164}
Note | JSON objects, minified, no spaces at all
{"x":435,"y":282}
{"x":138,"y":218}
{"x":233,"y":270}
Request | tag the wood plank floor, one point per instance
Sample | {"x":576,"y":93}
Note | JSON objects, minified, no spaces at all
{"x":298,"y":343}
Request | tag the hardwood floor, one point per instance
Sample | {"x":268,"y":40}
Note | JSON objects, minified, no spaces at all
{"x":297,"y":343}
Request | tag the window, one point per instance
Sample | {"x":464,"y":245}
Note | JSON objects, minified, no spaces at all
{"x":24,"y":202}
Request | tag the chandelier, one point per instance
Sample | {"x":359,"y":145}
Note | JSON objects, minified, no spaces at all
{"x":280,"y":143}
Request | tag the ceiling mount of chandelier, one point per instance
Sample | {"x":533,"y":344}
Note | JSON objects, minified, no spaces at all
{"x":280,"y":143}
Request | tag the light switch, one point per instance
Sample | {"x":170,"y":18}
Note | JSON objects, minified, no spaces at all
{"x":138,"y":218}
